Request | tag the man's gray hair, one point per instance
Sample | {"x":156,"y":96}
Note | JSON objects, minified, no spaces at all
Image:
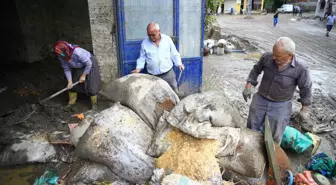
{"x":287,"y":44}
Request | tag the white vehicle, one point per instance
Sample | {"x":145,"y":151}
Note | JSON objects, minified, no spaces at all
{"x":286,"y":8}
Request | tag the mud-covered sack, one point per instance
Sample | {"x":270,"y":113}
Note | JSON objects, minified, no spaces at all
{"x":28,"y":151}
{"x":229,"y":139}
{"x":78,"y":131}
{"x":118,"y":138}
{"x":160,"y":144}
{"x":205,"y":115}
{"x":146,"y":95}
{"x":87,"y":173}
{"x":250,"y":157}
{"x":201,"y":115}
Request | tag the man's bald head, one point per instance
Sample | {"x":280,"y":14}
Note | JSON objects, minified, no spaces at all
{"x":153,"y":31}
{"x":153,"y":26}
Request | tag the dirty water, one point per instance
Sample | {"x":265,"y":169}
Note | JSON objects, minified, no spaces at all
{"x":23,"y":175}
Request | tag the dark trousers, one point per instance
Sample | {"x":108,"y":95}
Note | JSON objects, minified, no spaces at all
{"x":278,"y":113}
{"x":170,"y":78}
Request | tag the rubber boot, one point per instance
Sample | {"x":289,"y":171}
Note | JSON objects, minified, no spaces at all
{"x":72,"y":98}
{"x":94,"y":102}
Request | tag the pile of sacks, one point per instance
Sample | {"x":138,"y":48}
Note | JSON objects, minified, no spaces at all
{"x":150,"y":136}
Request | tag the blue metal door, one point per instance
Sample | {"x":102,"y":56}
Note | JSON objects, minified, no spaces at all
{"x":183,"y":20}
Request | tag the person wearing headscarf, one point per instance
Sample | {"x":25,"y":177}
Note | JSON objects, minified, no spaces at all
{"x":79,"y":65}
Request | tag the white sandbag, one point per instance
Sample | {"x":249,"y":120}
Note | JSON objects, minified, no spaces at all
{"x":205,"y":115}
{"x":28,"y":151}
{"x":146,"y":95}
{"x":118,"y":138}
{"x":222,"y":42}
{"x":87,"y":173}
{"x":250,"y":157}
{"x":159,"y":143}
{"x":200,"y":115}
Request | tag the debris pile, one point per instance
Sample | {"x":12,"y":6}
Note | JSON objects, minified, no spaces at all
{"x":149,"y":136}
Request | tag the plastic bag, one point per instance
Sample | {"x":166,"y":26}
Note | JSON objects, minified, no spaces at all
{"x":295,"y":141}
{"x":49,"y":177}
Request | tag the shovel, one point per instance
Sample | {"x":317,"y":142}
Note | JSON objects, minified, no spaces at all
{"x":56,"y":94}
{"x":25,"y":112}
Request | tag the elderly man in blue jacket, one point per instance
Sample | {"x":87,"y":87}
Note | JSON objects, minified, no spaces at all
{"x":159,"y":53}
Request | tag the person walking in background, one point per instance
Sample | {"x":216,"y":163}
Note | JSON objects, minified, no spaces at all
{"x":301,"y":11}
{"x":275,"y":18}
{"x":294,"y":10}
{"x":298,"y":10}
{"x":330,"y":23}
{"x":79,"y":65}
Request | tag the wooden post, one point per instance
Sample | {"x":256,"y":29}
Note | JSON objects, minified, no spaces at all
{"x":262,"y":4}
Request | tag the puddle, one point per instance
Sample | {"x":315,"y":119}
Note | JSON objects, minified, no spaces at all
{"x":26,"y":174}
{"x":20,"y":175}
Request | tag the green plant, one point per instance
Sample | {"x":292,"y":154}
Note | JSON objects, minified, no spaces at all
{"x":212,"y":4}
{"x":209,"y":21}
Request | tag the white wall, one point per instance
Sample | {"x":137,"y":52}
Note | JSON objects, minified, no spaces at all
{"x":228,"y":4}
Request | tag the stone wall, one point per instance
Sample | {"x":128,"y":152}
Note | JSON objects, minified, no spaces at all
{"x":103,"y":30}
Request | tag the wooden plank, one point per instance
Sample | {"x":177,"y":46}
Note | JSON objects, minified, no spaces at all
{"x":271,"y":152}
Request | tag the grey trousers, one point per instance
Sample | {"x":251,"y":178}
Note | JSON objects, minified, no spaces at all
{"x":279,"y":114}
{"x":170,"y":78}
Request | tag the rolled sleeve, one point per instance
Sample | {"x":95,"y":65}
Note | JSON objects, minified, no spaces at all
{"x":174,"y":54}
{"x":88,"y":65}
{"x":67,"y":69}
{"x":257,"y":69}
{"x":305,"y":86}
{"x":142,"y":59}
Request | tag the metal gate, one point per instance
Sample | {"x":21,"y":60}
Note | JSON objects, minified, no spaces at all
{"x":182,"y":20}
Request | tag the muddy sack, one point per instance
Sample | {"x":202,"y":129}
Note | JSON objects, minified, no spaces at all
{"x":205,"y":115}
{"x":28,"y":151}
{"x":118,"y":138}
{"x":87,"y":173}
{"x":250,"y":157}
{"x":146,"y":95}
{"x":160,"y":144}
{"x":78,"y":131}
{"x":202,"y":115}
